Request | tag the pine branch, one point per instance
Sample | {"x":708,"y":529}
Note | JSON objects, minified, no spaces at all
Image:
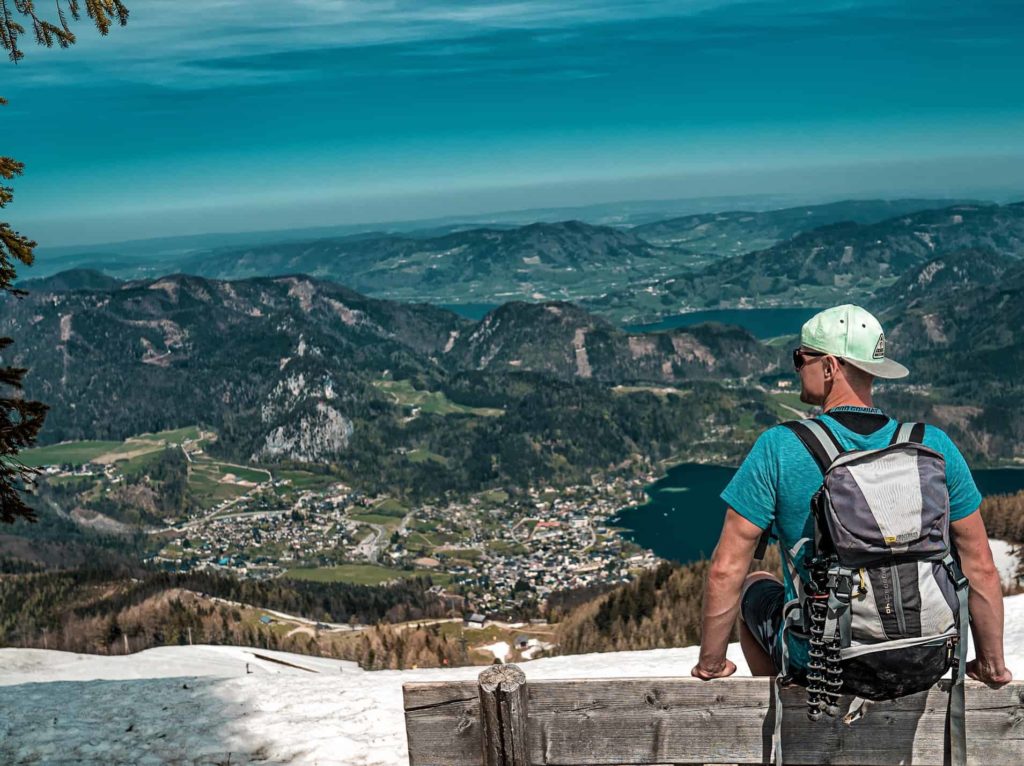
{"x":103,"y":13}
{"x":21,"y":420}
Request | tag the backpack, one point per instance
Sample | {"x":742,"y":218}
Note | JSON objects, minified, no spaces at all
{"x":884,"y":609}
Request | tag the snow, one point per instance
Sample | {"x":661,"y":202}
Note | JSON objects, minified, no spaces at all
{"x":500,"y":650}
{"x":1006,"y":557}
{"x":197,"y":704}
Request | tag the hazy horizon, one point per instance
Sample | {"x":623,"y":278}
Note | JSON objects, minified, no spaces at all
{"x":259,"y":115}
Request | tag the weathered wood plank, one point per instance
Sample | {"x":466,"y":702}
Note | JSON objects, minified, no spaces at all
{"x":600,"y":722}
{"x":443,"y":724}
{"x":503,"y":709}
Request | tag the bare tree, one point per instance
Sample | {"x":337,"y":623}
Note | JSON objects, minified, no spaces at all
{"x":20,"y":420}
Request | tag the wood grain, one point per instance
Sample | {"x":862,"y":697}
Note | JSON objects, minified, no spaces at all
{"x":620,"y":722}
{"x":503,"y":709}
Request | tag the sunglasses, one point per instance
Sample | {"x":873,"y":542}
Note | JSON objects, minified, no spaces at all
{"x":801,"y":355}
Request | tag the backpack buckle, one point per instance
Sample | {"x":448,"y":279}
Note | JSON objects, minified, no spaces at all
{"x":951,"y":656}
{"x":955,"y":573}
{"x":840,"y":583}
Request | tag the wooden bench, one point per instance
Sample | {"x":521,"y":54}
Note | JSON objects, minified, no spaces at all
{"x":500,"y":720}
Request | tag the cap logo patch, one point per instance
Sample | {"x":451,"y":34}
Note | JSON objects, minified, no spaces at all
{"x":879,"y":352}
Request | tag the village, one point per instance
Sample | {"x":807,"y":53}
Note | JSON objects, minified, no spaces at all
{"x":499,"y":553}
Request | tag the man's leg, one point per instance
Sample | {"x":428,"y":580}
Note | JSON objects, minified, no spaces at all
{"x":757,"y":655}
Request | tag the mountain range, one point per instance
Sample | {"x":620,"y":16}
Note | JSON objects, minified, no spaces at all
{"x":297,"y":367}
{"x":301,"y":369}
{"x":537,"y":262}
{"x":643,"y":271}
{"x":825,"y":265}
{"x":742,"y":231}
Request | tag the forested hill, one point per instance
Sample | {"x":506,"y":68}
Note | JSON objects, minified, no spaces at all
{"x":831,"y":264}
{"x":743,"y":231}
{"x":539,"y":261}
{"x":295,"y":368}
{"x":564,"y":340}
{"x":956,"y":322}
{"x":71,"y":279}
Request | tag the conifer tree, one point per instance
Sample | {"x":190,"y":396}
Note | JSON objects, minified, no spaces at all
{"x":20,"y":420}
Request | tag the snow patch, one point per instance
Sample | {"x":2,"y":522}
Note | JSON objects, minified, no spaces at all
{"x":197,"y":704}
{"x":1007,"y":558}
{"x":500,"y":650}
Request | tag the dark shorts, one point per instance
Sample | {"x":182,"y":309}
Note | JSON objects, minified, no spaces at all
{"x":761,"y":609}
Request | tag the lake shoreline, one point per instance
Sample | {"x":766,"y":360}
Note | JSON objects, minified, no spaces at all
{"x":667,"y":525}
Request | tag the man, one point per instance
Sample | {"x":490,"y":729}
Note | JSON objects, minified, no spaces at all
{"x":842,"y":351}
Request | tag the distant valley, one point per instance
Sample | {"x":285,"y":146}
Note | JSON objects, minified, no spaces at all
{"x":631,"y":274}
{"x":826,"y":265}
{"x":320,"y":441}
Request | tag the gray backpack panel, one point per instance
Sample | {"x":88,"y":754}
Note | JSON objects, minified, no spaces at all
{"x":887,"y":503}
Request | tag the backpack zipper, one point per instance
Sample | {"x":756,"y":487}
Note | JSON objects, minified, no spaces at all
{"x":897,"y":599}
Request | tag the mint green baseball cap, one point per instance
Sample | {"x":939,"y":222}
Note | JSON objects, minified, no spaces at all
{"x":851,"y":333}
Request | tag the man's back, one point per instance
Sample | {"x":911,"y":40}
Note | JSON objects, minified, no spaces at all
{"x":775,"y":484}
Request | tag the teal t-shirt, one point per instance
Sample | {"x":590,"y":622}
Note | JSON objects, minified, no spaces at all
{"x":777,"y":479}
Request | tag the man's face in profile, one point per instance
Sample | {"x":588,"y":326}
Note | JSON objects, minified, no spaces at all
{"x":809,"y":366}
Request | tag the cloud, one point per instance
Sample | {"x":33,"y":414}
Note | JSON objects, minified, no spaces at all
{"x":169,"y":43}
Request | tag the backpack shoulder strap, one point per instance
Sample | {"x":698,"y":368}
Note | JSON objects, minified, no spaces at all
{"x":908,"y":432}
{"x":824,"y":448}
{"x":818,"y":439}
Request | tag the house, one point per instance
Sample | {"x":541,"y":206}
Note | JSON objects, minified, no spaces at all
{"x":474,"y":620}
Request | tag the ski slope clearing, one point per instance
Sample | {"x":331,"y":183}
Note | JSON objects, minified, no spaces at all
{"x":198,"y":705}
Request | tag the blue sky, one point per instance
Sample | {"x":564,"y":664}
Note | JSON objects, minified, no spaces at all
{"x":224,"y":115}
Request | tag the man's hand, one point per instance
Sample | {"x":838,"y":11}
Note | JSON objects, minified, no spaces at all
{"x":991,"y":675}
{"x":727,"y":668}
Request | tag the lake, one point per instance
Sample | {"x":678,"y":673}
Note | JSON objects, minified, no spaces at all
{"x":683,"y":518}
{"x":474,"y":311}
{"x":761,"y":323}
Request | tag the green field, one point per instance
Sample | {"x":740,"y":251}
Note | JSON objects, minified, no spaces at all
{"x":81,"y":452}
{"x":174,"y":436}
{"x":362,"y":574}
{"x":377,"y":518}
{"x":470,"y":554}
{"x":137,"y":465}
{"x":217,"y":470}
{"x":390,"y":507}
{"x":494,"y":496}
{"x":426,"y":456}
{"x":429,"y":402}
{"x":71,"y":453}
{"x":788,"y":398}
{"x":503,"y":547}
{"x":305,"y":479}
{"x":205,"y":480}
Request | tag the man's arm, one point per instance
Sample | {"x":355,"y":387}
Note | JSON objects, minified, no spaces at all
{"x":729,"y":565}
{"x":985,"y":601}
